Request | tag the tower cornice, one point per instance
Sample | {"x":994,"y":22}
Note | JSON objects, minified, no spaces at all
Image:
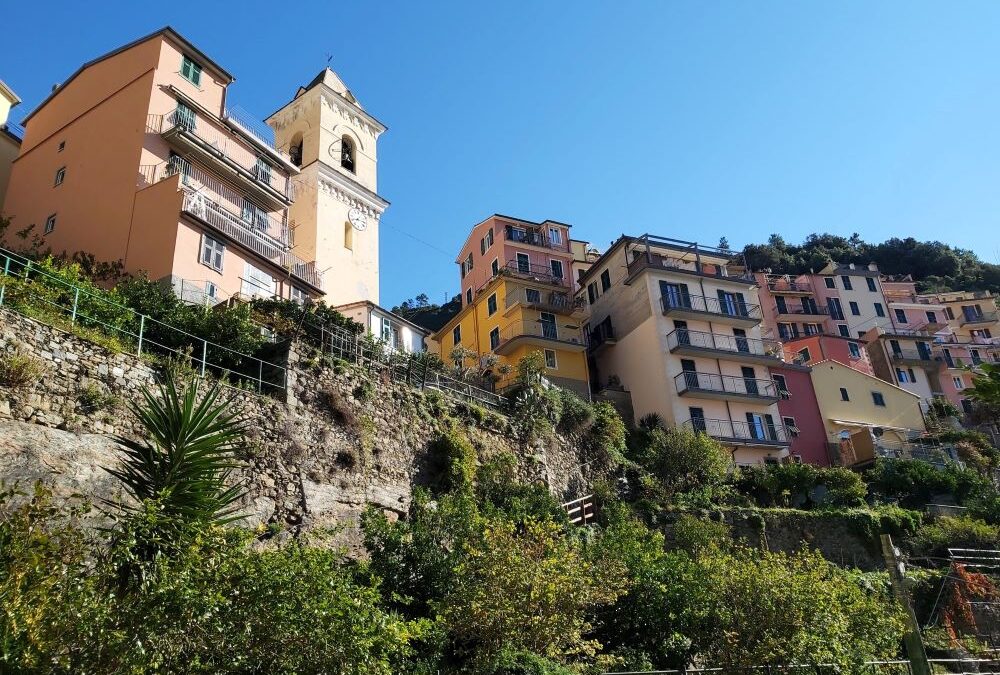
{"x":350,"y":192}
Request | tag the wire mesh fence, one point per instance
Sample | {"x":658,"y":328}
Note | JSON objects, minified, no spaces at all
{"x":28,"y":288}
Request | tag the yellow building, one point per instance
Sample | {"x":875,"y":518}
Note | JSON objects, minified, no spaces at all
{"x":10,"y":138}
{"x":517,"y":298}
{"x":864,"y":415}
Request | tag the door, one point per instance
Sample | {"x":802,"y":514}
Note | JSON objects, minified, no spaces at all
{"x":924,"y":350}
{"x":809,"y":306}
{"x":756,"y":425}
{"x":548,"y":322}
{"x":779,"y":301}
{"x":742,"y":344}
{"x":674,"y":295}
{"x":681,"y":329}
{"x":690,"y":374}
{"x":698,"y":419}
{"x":896,"y":349}
{"x":749,"y":380}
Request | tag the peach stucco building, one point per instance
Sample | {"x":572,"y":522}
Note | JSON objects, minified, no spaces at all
{"x":138,"y":157}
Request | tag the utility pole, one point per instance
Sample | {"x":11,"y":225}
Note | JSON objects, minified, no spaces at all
{"x":911,"y":640}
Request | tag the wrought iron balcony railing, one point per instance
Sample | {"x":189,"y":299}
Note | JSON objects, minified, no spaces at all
{"x":739,"y":431}
{"x":530,"y":236}
{"x":683,"y":337}
{"x":547,"y":330}
{"x":541,"y":273}
{"x":699,"y":303}
{"x":801,"y":310}
{"x":693,"y":382}
{"x":550,"y":301}
{"x":978,"y":317}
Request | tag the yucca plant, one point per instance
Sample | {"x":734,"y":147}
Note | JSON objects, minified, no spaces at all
{"x":190,"y":451}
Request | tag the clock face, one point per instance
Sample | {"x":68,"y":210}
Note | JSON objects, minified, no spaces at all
{"x":358,"y":219}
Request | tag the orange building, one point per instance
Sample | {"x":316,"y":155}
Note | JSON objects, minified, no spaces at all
{"x":138,"y":157}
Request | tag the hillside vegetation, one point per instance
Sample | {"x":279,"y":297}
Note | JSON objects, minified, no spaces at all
{"x":935,"y":266}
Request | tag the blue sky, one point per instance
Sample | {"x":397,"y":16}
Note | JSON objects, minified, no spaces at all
{"x":688,"y":119}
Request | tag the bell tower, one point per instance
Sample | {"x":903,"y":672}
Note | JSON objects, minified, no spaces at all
{"x":336,"y":212}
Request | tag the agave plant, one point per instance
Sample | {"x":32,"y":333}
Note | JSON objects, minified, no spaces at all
{"x":190,"y":450}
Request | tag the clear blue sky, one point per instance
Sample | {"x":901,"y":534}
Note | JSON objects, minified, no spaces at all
{"x":688,"y":119}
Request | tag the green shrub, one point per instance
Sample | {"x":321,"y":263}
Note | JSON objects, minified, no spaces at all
{"x":605,"y":440}
{"x":914,"y":483}
{"x":18,"y":370}
{"x":575,"y":413}
{"x":451,"y":461}
{"x":684,"y":461}
{"x":801,"y":486}
{"x":92,"y":397}
{"x":937,"y":537}
{"x":695,"y":535}
{"x":511,"y":662}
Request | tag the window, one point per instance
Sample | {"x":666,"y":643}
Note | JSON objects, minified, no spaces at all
{"x":347,"y":153}
{"x":846,"y":280}
{"x":62,"y":146}
{"x":805,"y":355}
{"x":486,"y":242}
{"x":532,"y":295}
{"x":829,"y":282}
{"x":900,"y":315}
{"x":843,"y":330}
{"x":931,"y":317}
{"x":183,"y":117}
{"x":50,"y":223}
{"x":811,"y":328}
{"x":779,"y":381}
{"x":60,"y":176}
{"x":871,"y":285}
{"x":605,"y":280}
{"x":697,"y":419}
{"x":836,"y":309}
{"x":550,"y":359}
{"x":298,"y":295}
{"x":190,"y":71}
{"x":854,"y":349}
{"x":592,"y":292}
{"x":295,"y":150}
{"x":855,"y":310}
{"x":523,"y":263}
{"x":494,"y":338}
{"x":901,"y":376}
{"x":878,"y":399}
{"x":495,"y":266}
{"x":211,"y":291}
{"x":948,"y":313}
{"x":557,"y":268}
{"x":456,"y":335}
{"x":789,"y":423}
{"x":879,"y":309}
{"x":913,"y":376}
{"x":555,"y":235}
{"x":959,"y":385}
{"x":468,"y":296}
{"x":491,"y":305}
{"x":466,"y":265}
{"x":548,"y":324}
{"x":257,"y":283}
{"x":861,"y":333}
{"x":262,"y":171}
{"x":781,"y":307}
{"x":843,"y":395}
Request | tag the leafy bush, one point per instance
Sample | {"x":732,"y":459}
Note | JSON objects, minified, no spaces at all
{"x":452,"y":461}
{"x":696,"y":535}
{"x":510,"y":662}
{"x":801,"y":486}
{"x":605,"y":439}
{"x":914,"y":484}
{"x":19,"y":370}
{"x":936,"y":538}
{"x":575,"y":413}
{"x":684,"y":461}
{"x":500,"y":494}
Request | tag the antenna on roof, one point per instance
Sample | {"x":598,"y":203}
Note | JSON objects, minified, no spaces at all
{"x":329,"y":57}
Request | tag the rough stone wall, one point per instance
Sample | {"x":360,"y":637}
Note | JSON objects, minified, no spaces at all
{"x":309,"y":466}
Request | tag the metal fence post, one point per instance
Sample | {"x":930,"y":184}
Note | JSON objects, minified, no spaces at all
{"x":6,"y":265}
{"x":204,"y":356}
{"x":27,"y":270}
{"x":142,"y":325}
{"x":2,"y":289}
{"x":76,"y":302}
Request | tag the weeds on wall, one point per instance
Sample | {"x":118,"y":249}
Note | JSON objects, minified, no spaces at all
{"x":19,"y":370}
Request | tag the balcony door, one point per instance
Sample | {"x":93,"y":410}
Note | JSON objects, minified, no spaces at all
{"x":732,"y":304}
{"x":548,"y":322}
{"x":698,"y":419}
{"x":742,"y":344}
{"x":761,"y":427}
{"x":809,"y":306}
{"x":749,"y":380}
{"x":836,"y":309}
{"x":681,"y":329}
{"x":675,"y":295}
{"x":779,"y":302}
{"x":523,"y":263}
{"x":896,"y":349}
{"x":924,"y":350}
{"x":690,"y":374}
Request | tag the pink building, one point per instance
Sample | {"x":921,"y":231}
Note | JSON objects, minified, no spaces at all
{"x":800,"y":414}
{"x":789,"y":306}
{"x":811,"y":349}
{"x":139,"y":157}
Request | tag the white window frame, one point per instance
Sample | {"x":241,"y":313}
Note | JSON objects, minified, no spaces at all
{"x":562,"y":268}
{"x":495,"y":266}
{"x":456,"y":335}
{"x":492,"y":299}
{"x":495,"y":332}
{"x":555,"y":235}
{"x":555,"y":359}
{"x":195,"y":70}
{"x":853,"y":347}
{"x":517,"y":261}
{"x":50,"y":224}
{"x":957,"y":381}
{"x":216,"y":249}
{"x":60,"y":176}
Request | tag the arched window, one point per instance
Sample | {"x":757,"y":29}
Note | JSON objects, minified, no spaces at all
{"x":295,"y":150}
{"x":347,"y":153}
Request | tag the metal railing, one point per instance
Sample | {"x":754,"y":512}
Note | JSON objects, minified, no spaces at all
{"x":784,"y":283}
{"x":213,"y":138}
{"x":682,"y":337}
{"x":554,"y":301}
{"x":979,"y":317}
{"x":685,"y":265}
{"x":912,"y":355}
{"x":529,"y":236}
{"x":600,"y":334}
{"x":533,"y":272}
{"x":547,"y":330}
{"x":739,"y":431}
{"x":802,"y":310}
{"x":700,"y":303}
{"x":250,"y":124}
{"x":25,"y":286}
{"x":729,"y":384}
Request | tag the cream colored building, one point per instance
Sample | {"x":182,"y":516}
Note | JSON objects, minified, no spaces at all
{"x":337,"y":208}
{"x":677,"y":325}
{"x":864,"y":415}
{"x":10,"y":138}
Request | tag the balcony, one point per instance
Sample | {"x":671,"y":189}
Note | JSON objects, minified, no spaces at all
{"x":700,"y":307}
{"x":532,"y":237}
{"x":914,"y":357}
{"x":972,"y":319}
{"x":213,"y":142}
{"x":923,"y":330}
{"x":558,"y":302}
{"x":805,"y":313}
{"x":717,"y":345}
{"x":601,"y":337}
{"x":537,"y":273}
{"x":540,"y":333}
{"x":725,"y":387}
{"x":741,"y":433}
{"x":785,"y":285}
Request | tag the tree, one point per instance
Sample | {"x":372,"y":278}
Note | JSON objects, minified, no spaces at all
{"x":683,"y":460}
{"x":985,"y":391}
{"x":529,"y":590}
{"x":724,"y":245}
